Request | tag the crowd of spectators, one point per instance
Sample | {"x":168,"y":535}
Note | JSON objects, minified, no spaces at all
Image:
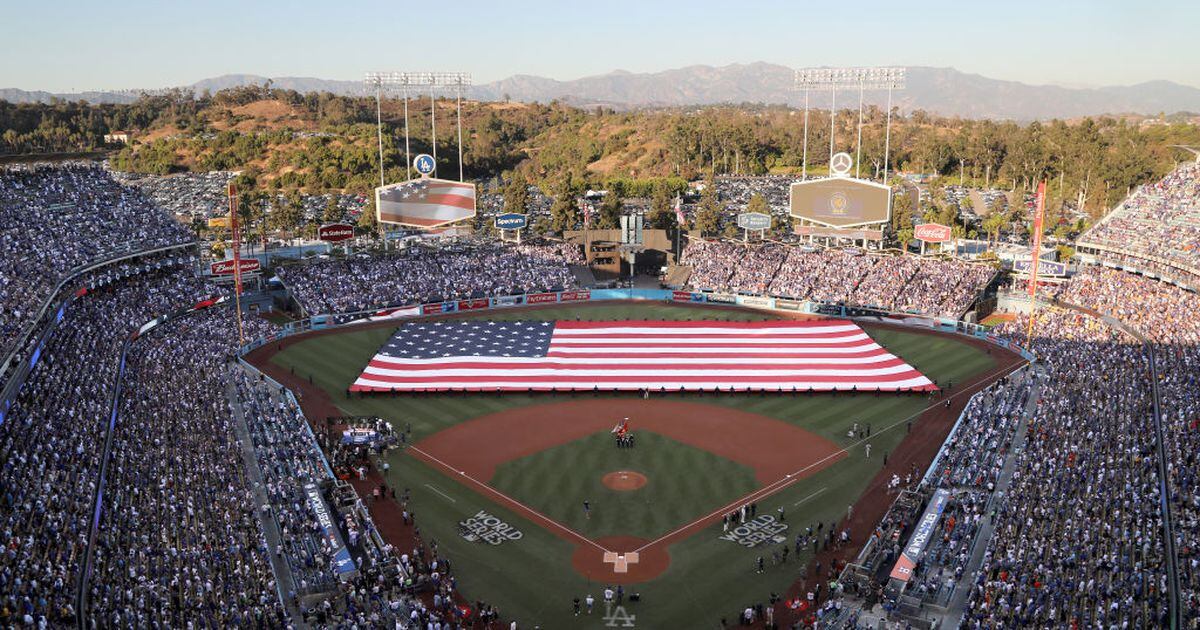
{"x":1160,"y":220}
{"x":179,"y":543}
{"x":430,"y":275}
{"x":54,"y":219}
{"x":928,"y":286}
{"x":51,"y":437}
{"x":1166,"y":316}
{"x":1078,"y":537}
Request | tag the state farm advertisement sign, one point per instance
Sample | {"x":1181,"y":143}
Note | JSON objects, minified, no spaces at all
{"x":225,"y":267}
{"x":932,"y":233}
{"x":334,"y":232}
{"x":541,"y":298}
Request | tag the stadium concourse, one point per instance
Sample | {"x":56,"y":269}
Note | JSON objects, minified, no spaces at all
{"x":150,"y":479}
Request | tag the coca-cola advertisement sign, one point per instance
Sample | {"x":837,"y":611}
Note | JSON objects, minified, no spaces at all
{"x":334,"y":232}
{"x":932,"y":233}
{"x":225,"y":267}
{"x":575,"y":296}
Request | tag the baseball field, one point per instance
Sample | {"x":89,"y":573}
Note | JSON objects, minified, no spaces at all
{"x":500,"y":481}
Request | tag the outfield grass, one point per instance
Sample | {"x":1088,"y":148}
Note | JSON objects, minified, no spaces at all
{"x":673,"y":494}
{"x":532,"y":580}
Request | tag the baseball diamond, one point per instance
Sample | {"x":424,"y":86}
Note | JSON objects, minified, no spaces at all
{"x":728,"y":477}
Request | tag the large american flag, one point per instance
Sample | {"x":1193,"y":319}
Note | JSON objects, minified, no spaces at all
{"x":632,"y":355}
{"x":426,"y":202}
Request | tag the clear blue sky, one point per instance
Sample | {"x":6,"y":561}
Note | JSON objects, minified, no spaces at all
{"x":70,"y":45}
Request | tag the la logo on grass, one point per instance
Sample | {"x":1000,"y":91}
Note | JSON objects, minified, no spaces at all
{"x":616,"y":617}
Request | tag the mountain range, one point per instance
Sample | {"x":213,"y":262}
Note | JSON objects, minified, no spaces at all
{"x":943,"y":91}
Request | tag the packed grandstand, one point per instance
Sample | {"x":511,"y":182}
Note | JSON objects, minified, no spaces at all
{"x":152,"y":480}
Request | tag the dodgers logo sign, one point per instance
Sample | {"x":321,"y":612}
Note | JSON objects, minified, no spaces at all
{"x":424,"y":164}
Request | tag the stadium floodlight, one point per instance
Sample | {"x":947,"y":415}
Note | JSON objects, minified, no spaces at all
{"x":846,"y":78}
{"x":433,"y":82}
{"x":831,"y":80}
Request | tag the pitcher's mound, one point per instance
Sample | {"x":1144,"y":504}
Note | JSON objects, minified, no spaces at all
{"x":624,"y":480}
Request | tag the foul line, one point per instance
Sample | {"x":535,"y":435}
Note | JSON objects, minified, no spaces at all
{"x":539,"y":515}
{"x":450,"y":498}
{"x":810,"y":496}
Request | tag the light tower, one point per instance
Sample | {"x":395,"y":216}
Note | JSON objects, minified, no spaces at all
{"x":416,"y":82}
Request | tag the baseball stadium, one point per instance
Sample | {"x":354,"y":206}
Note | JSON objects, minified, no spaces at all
{"x":879,"y":347}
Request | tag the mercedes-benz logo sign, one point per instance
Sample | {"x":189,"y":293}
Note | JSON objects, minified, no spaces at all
{"x":841,"y":163}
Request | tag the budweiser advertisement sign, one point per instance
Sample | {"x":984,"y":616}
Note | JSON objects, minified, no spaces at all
{"x":932,"y":233}
{"x":473,"y":304}
{"x":541,"y":298}
{"x":225,"y":267}
{"x":334,"y":232}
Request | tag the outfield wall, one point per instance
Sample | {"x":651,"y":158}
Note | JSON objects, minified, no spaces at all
{"x":759,"y":302}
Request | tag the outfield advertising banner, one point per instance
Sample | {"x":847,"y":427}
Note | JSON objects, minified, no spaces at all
{"x":575,"y":296}
{"x":541,"y":298}
{"x":721,"y":298}
{"x":757,"y":302}
{"x":788,"y":305}
{"x":924,"y":530}
{"x":440,"y":307}
{"x":473,"y":305}
{"x":508,"y":300}
{"x":687,"y":296}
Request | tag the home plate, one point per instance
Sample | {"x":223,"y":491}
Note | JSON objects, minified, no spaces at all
{"x":620,"y":561}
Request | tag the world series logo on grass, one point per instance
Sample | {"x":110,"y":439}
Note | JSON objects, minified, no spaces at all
{"x":488,"y":528}
{"x":758,"y":530}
